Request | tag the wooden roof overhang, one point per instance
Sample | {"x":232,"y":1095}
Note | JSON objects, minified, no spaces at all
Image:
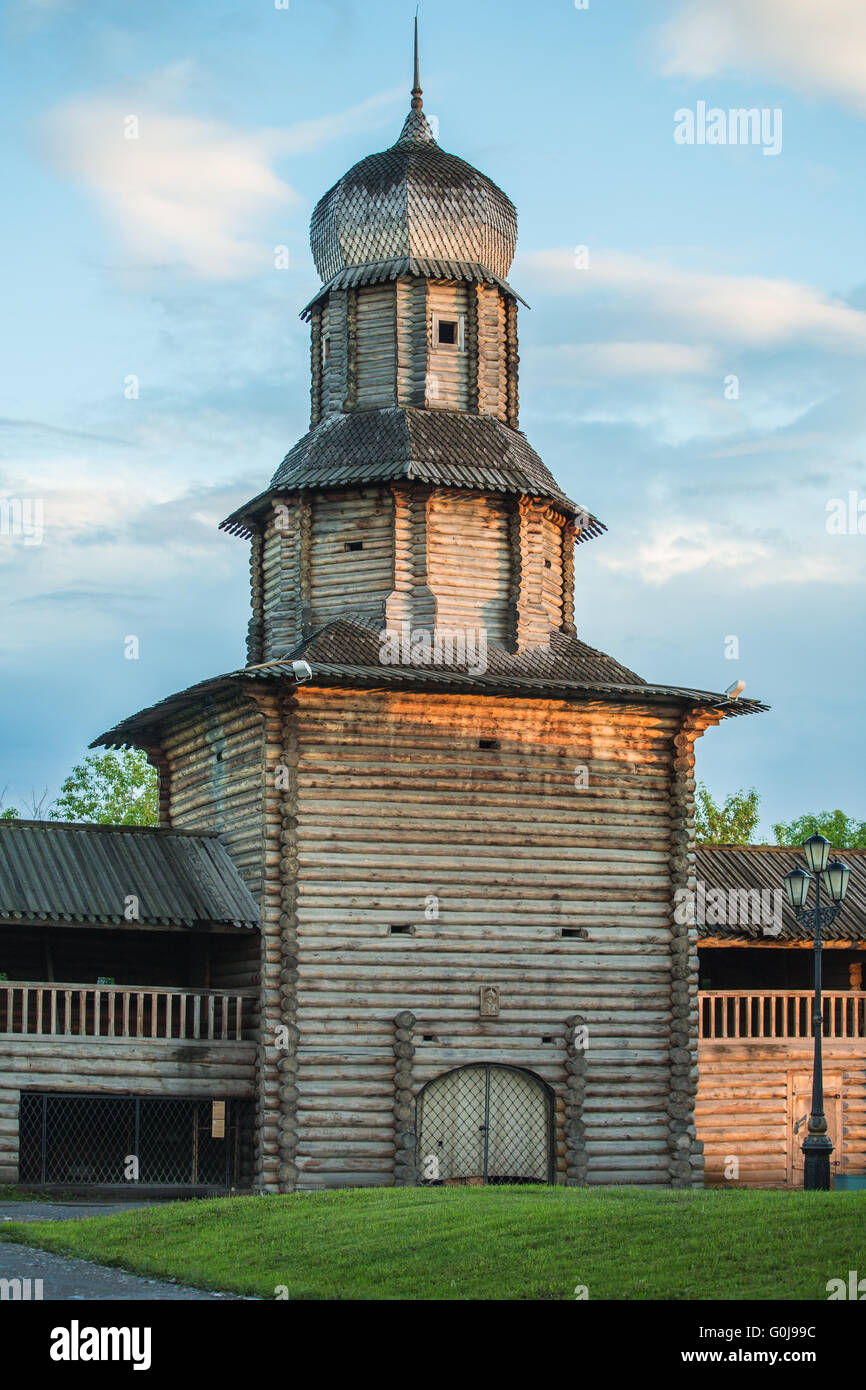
{"x":140,"y":729}
{"x":415,"y":267}
{"x":412,"y":444}
{"x":762,"y":868}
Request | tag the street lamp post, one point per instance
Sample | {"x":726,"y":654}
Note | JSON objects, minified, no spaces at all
{"x":832,"y":877}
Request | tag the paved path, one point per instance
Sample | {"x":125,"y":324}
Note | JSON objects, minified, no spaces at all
{"x":63,"y":1211}
{"x":71,"y":1280}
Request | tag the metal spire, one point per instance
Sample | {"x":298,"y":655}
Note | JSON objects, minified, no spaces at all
{"x":417,"y":103}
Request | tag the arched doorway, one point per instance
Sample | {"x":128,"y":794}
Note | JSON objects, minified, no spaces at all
{"x":485,"y":1124}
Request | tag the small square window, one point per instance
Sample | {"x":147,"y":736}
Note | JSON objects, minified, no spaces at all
{"x":449,"y":332}
{"x":353,"y":545}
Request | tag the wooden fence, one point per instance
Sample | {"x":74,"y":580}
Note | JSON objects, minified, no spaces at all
{"x":753,"y":1014}
{"x":117,"y":1011}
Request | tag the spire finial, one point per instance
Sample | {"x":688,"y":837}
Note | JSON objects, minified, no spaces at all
{"x":417,"y":103}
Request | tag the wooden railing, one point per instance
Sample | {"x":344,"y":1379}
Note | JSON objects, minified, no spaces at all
{"x":765,"y":1015}
{"x":125,"y":1011}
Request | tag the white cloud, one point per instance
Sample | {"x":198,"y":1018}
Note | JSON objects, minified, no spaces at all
{"x":681,"y":547}
{"x":747,"y":310}
{"x":819,"y":48}
{"x":188,"y":192}
{"x":783,"y":444}
{"x":561,"y":364}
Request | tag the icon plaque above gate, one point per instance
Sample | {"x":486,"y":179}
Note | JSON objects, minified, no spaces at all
{"x":489,"y":1002}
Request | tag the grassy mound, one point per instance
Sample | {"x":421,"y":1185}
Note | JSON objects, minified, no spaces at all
{"x":483,"y":1243}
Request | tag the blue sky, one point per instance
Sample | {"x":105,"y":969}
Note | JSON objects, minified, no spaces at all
{"x":153,"y":258}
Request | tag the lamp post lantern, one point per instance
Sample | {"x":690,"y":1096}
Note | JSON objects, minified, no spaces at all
{"x":832,"y":877}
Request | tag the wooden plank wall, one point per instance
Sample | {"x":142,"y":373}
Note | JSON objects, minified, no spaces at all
{"x":131,"y":1066}
{"x":477,"y":593}
{"x":399,"y":808}
{"x":742,"y":1106}
{"x":350,"y":582}
{"x":215,"y":768}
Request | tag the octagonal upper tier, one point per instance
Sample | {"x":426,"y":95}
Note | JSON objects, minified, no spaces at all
{"x":413,"y":199}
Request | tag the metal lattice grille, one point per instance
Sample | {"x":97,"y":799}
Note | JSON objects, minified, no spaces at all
{"x":485,"y":1124}
{"x":80,"y":1140}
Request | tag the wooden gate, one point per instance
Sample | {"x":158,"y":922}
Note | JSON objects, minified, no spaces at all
{"x":485,"y":1124}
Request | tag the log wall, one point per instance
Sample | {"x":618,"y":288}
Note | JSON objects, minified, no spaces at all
{"x":477,"y":593}
{"x":448,"y":370}
{"x":427,"y":866}
{"x":412,"y":342}
{"x":381,"y":349}
{"x":745,"y":1101}
{"x":345,"y":579}
{"x":284,"y":605}
{"x":459,"y":558}
{"x":538,"y":572}
{"x":492,"y":387}
{"x":376,"y":346}
{"x":335,"y":373}
{"x":215,"y":770}
{"x":128,"y":1066}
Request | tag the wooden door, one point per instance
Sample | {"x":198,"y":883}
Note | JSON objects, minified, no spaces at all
{"x":799,"y":1105}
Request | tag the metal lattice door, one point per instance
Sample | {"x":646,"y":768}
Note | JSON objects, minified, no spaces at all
{"x":485,"y":1124}
{"x":76,"y":1140}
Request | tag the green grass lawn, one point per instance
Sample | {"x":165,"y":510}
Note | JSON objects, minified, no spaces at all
{"x":484,"y":1243}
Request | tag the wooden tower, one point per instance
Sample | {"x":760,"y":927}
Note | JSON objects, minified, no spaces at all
{"x":465,"y":828}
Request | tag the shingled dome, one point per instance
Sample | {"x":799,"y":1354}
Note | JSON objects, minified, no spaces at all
{"x":413,"y":200}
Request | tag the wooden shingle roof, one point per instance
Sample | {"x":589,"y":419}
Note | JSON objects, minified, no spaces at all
{"x":730,"y":868}
{"x":346,"y":653}
{"x":445,"y":448}
{"x":413,"y":199}
{"x":53,"y":871}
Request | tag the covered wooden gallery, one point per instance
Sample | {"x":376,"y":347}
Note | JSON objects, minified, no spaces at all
{"x":128,"y":1008}
{"x":755,"y":1050}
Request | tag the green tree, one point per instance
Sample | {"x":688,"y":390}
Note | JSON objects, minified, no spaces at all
{"x":9,"y":814}
{"x":842,"y":831}
{"x":118,"y":788}
{"x":732,"y":823}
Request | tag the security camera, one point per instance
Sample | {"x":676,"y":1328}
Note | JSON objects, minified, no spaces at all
{"x":303,"y":671}
{"x":734,"y":691}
